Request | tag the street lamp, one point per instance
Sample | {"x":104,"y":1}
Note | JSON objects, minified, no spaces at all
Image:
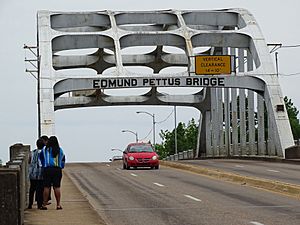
{"x":175,"y":131}
{"x":153,"y":123}
{"x":135,"y":133}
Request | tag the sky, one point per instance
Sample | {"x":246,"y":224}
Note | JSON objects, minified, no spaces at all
{"x":89,"y":134}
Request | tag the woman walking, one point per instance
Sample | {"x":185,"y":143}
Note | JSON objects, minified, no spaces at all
{"x":53,"y":161}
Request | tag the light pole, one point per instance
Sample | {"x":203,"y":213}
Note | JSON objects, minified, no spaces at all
{"x":135,"y":133}
{"x":153,"y":123}
{"x":175,"y":131}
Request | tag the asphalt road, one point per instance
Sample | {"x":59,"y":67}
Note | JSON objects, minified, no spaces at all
{"x":285,"y":172}
{"x":174,"y":197}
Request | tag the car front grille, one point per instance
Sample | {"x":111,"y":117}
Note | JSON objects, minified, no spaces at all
{"x":143,"y":160}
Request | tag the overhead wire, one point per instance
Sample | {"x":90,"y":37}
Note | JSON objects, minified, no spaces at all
{"x":291,"y":46}
{"x":157,"y":123}
{"x":289,"y":75}
{"x":146,"y":135}
{"x":166,"y":117}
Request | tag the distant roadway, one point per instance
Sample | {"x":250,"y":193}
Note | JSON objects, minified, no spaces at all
{"x":172,"y":197}
{"x":284,"y":172}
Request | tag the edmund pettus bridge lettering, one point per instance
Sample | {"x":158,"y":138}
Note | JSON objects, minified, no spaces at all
{"x":158,"y":82}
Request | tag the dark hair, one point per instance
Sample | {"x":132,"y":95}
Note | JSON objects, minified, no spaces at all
{"x":40,"y":143}
{"x":44,"y":138}
{"x":53,"y":143}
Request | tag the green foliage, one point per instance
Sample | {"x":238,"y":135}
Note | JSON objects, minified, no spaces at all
{"x":186,"y":139}
{"x":293,"y":112}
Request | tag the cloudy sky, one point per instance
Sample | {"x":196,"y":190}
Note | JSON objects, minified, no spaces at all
{"x":89,"y":134}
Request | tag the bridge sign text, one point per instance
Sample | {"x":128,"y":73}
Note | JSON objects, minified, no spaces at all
{"x":208,"y":81}
{"x":211,"y":65}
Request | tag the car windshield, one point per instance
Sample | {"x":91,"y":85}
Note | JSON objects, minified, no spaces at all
{"x":141,"y":148}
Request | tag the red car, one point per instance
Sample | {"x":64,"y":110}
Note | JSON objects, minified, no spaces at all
{"x":140,"y":155}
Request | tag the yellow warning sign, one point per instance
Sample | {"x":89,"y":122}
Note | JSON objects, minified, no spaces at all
{"x":212,"y":64}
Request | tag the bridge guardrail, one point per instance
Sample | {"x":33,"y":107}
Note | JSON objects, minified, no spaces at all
{"x":189,"y":154}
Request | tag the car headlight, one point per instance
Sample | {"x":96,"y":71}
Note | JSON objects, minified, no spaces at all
{"x":131,"y":158}
{"x":154,"y":157}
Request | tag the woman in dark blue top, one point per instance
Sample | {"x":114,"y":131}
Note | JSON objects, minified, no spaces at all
{"x":53,"y":161}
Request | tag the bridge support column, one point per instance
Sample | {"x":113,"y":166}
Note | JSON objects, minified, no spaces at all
{"x":46,"y":77}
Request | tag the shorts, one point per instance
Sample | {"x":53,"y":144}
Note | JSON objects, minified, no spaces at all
{"x":52,"y":176}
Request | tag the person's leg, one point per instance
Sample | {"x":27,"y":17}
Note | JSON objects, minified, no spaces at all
{"x":45,"y":195}
{"x":56,"y":186}
{"x":49,"y":197}
{"x":47,"y":185}
{"x":39,"y":193}
{"x":31,"y":194}
{"x":57,"y":196}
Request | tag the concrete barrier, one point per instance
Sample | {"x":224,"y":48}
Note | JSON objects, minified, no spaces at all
{"x":180,"y":155}
{"x":10,"y":196}
{"x":293,"y":152}
{"x":14,"y":186}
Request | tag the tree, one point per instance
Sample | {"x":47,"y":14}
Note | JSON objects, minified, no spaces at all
{"x":293,"y":112}
{"x":186,"y":139}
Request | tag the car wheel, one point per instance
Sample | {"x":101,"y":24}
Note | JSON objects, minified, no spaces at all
{"x":157,"y":167}
{"x":124,"y":166}
{"x":127,"y":167}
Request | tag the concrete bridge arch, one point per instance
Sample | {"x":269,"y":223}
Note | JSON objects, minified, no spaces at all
{"x":235,"y":107}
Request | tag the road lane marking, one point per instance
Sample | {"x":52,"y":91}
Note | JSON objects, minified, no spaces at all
{"x":118,"y":168}
{"x":134,"y":175}
{"x":239,"y":166}
{"x":274,"y":171}
{"x":256,"y":223}
{"x":159,"y":185}
{"x":107,"y":165}
{"x":193,"y":198}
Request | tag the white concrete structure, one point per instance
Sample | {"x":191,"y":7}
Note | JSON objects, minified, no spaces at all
{"x":234,"y":120}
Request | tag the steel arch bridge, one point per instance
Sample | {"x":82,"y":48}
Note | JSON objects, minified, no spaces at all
{"x":242,"y":113}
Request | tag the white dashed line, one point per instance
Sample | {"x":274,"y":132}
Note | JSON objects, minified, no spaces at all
{"x":256,"y":223}
{"x":118,"y":169}
{"x":134,"y":175}
{"x":193,"y":198}
{"x":107,"y":165}
{"x":159,"y":185}
{"x":239,"y":166}
{"x":274,"y":171}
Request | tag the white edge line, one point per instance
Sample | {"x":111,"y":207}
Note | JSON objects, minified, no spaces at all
{"x":158,"y":184}
{"x":275,"y":171}
{"x":193,"y":198}
{"x":239,"y":166}
{"x":132,"y":174}
{"x":256,"y":223}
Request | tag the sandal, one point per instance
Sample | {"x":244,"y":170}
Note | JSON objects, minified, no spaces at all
{"x":43,"y":208}
{"x":59,"y":208}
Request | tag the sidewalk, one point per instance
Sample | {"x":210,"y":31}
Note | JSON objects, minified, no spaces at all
{"x":76,"y":209}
